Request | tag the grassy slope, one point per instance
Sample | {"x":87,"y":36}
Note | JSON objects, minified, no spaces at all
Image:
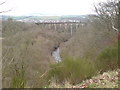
{"x":106,"y":80}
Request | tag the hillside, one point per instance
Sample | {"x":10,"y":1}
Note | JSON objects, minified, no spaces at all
{"x":27,"y":45}
{"x":27,"y":53}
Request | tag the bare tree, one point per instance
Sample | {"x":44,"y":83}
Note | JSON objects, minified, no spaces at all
{"x":108,"y":12}
{"x":118,"y":36}
{"x":118,"y":16}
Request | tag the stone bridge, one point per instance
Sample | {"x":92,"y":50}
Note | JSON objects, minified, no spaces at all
{"x":72,"y":25}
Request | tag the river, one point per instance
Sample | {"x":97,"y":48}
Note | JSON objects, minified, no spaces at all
{"x":56,"y":55}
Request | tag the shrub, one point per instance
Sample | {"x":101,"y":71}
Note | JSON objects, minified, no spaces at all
{"x":72,"y":70}
{"x":108,"y":59}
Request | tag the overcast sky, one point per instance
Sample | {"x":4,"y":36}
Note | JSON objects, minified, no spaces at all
{"x":48,"y":7}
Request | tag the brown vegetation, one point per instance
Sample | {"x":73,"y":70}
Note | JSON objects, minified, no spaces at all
{"x":29,"y":44}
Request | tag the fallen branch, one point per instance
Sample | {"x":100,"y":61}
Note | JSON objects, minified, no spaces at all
{"x":114,"y":28}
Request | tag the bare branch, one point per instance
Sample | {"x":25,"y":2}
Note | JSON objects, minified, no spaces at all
{"x":108,"y":11}
{"x":114,"y":28}
{"x":3,"y":3}
{"x":5,"y":11}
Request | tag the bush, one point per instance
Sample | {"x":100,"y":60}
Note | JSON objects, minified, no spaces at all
{"x":72,"y":70}
{"x":108,"y":59}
